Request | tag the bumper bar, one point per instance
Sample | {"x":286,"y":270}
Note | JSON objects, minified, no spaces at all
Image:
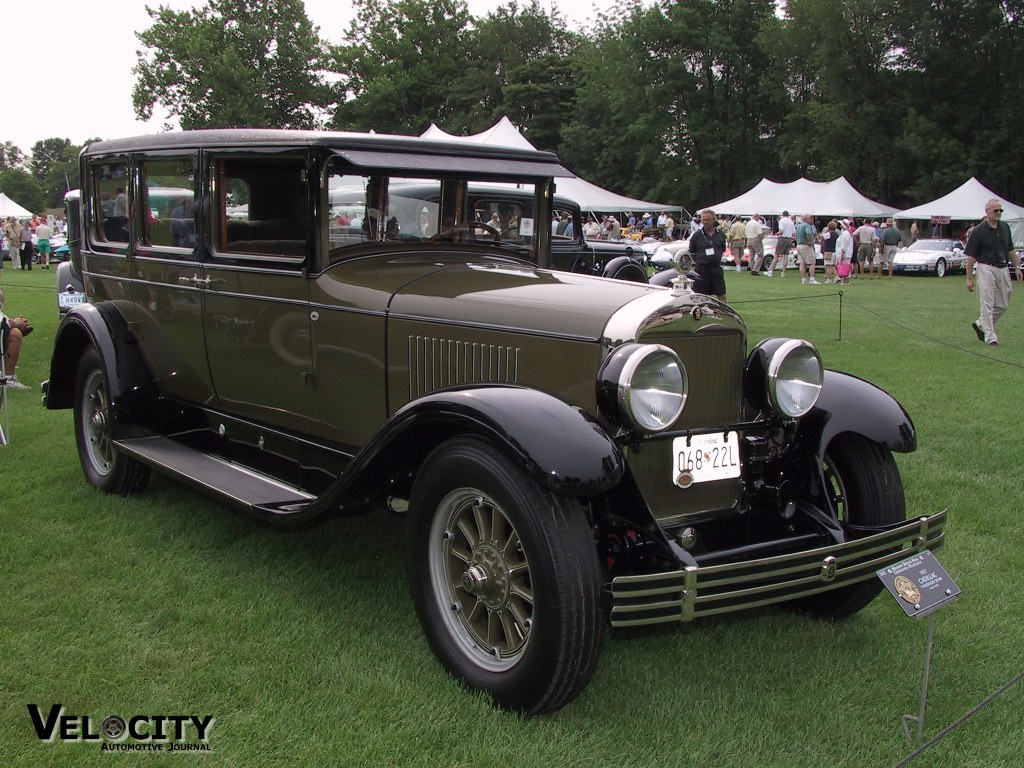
{"x":697,"y":591}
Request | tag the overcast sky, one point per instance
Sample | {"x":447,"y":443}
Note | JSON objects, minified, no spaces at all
{"x":75,"y":78}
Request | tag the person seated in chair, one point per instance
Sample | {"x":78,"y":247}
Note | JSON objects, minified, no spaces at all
{"x":12,"y":331}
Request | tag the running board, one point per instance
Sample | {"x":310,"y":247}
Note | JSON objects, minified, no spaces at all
{"x":239,"y":485}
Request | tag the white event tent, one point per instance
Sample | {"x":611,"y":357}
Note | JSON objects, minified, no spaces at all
{"x":587,"y":196}
{"x":967,"y":203}
{"x":818,"y":198}
{"x":10,"y":208}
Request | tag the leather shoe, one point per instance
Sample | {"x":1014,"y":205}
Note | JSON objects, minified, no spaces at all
{"x":27,"y":331}
{"x":978,"y":331}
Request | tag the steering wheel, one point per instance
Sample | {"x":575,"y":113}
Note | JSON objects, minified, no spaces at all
{"x":449,"y":232}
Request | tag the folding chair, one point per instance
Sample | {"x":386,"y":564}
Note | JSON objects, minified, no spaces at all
{"x":5,"y":424}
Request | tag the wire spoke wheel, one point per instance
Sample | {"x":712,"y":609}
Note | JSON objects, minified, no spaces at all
{"x":103,"y":465}
{"x":480,"y":571}
{"x":95,"y":420}
{"x":505,"y":578}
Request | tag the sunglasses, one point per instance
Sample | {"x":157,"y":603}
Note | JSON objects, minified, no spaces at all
{"x":997,"y":210}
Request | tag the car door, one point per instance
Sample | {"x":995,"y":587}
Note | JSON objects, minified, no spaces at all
{"x":256,"y":315}
{"x":166,"y":314}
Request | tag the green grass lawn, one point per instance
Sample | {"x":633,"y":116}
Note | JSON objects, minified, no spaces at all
{"x":305,"y":648}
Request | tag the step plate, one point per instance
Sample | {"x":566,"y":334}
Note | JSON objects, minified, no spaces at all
{"x":237,"y":484}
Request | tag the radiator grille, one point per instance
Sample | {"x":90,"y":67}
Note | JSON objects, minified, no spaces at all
{"x":438,"y":363}
{"x":714,"y":367}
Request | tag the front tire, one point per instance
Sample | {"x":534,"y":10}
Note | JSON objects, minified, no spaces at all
{"x":940,"y":268}
{"x":104,"y":466}
{"x":865,"y":487}
{"x":505,"y":578}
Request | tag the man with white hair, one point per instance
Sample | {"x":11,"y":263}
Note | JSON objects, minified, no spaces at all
{"x":754,"y":235}
{"x":990,"y":248}
{"x":805,"y":249}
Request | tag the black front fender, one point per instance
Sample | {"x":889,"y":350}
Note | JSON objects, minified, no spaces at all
{"x":850,"y":404}
{"x":625,"y":268}
{"x":560,"y":445}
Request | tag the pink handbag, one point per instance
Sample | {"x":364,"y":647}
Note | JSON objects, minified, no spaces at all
{"x":843,"y":268}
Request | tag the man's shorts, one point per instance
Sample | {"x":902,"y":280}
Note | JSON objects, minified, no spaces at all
{"x":864,"y":252}
{"x":782,"y":250}
{"x":805,"y":254}
{"x":43,"y":246}
{"x":888,"y":251}
{"x":712,"y":280}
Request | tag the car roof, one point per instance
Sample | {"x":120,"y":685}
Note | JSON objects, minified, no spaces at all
{"x":368,"y":150}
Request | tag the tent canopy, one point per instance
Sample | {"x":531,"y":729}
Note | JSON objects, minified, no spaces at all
{"x":587,"y":196}
{"x":967,"y":203}
{"x":818,"y":198}
{"x":10,"y":208}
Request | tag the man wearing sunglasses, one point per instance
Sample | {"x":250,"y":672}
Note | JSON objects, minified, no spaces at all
{"x":990,"y":247}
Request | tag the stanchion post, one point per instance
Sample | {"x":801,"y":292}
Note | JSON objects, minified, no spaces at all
{"x":919,"y":718}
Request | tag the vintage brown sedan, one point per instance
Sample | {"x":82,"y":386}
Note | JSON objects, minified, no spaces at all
{"x":302,"y":336}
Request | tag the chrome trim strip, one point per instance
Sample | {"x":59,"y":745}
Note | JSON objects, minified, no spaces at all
{"x":697,"y":591}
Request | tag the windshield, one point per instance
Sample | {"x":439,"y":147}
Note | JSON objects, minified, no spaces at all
{"x":426,"y":209}
{"x":935,"y":245}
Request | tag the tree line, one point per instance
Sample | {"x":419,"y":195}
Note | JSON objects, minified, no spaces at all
{"x":684,"y":101}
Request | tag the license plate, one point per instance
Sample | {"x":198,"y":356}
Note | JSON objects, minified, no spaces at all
{"x":70,"y":299}
{"x":705,"y":458}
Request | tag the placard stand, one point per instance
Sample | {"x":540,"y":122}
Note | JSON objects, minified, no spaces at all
{"x":920,"y":586}
{"x":919,"y":717}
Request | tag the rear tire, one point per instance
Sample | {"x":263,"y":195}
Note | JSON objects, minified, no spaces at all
{"x":866,"y":489}
{"x":505,"y":578}
{"x":104,"y":466}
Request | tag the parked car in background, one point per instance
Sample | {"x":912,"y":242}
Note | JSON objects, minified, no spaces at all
{"x":567,"y":451}
{"x":666,"y":255}
{"x":931,"y":256}
{"x":770,"y":244}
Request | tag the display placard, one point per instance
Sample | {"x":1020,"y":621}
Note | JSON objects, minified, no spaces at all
{"x":919,"y":584}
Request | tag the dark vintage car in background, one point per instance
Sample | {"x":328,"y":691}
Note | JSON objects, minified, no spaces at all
{"x":568,"y":451}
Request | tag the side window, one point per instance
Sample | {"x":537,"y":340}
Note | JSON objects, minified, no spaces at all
{"x":108,"y":182}
{"x":261,"y":208}
{"x":166,"y":209}
{"x":511,"y":219}
{"x":563,"y":223}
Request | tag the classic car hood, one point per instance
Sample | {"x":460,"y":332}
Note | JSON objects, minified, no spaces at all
{"x":516,"y":297}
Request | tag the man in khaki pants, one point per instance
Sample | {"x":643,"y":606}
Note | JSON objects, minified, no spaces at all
{"x":990,"y":248}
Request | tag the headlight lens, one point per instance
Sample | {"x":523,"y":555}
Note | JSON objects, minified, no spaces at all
{"x":795,"y":376}
{"x":784,"y":376}
{"x":649,"y":382}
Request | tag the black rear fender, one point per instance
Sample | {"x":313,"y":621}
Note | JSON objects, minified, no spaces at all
{"x":103,"y":327}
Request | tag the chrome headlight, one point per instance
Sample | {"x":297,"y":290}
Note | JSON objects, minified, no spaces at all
{"x":784,"y":375}
{"x":643,"y":386}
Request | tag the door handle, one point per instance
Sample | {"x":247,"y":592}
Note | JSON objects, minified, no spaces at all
{"x":196,"y":280}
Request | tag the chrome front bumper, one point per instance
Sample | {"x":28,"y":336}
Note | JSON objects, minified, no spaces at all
{"x":697,"y":591}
